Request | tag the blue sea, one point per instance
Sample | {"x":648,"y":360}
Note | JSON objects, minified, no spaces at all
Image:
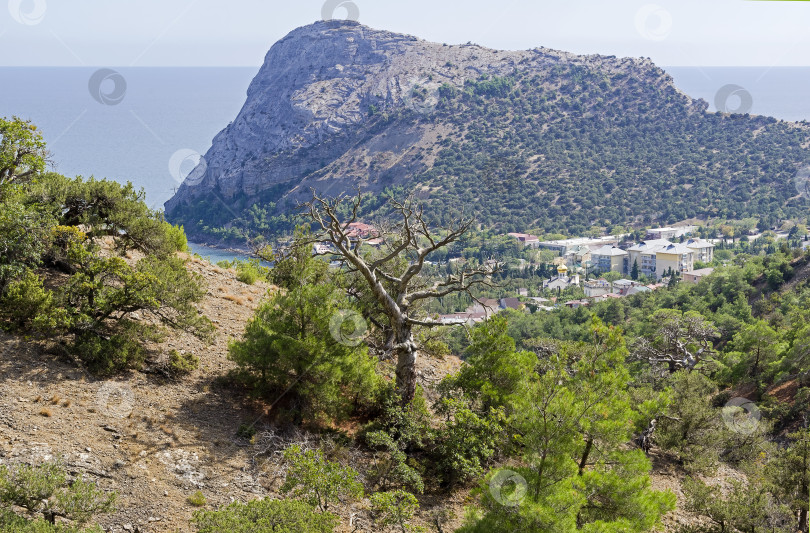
{"x":134,"y":122}
{"x":162,"y":111}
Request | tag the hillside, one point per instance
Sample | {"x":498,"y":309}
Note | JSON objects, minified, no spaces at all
{"x":129,"y":365}
{"x":155,"y":441}
{"x":537,"y":138}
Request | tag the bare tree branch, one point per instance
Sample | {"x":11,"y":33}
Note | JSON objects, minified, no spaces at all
{"x":395,"y":292}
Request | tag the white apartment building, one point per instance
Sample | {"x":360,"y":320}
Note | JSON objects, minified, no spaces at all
{"x":596,"y":287}
{"x":704,"y":250}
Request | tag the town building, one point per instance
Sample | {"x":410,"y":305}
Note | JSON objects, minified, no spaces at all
{"x":596,"y":287}
{"x":579,"y":255}
{"x":669,"y":233}
{"x":526,"y":240}
{"x":562,"y":280}
{"x":565,"y":245}
{"x":675,"y":257}
{"x":704,"y":250}
{"x":696,"y":275}
{"x":610,"y":258}
{"x":322,"y":249}
{"x":360,"y":230}
{"x":623,"y":286}
{"x":462,"y":318}
{"x":644,"y":254}
{"x":511,"y":303}
{"x":638,"y":289}
{"x":573,"y":304}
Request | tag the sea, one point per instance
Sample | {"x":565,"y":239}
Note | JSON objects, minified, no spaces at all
{"x":149,"y":125}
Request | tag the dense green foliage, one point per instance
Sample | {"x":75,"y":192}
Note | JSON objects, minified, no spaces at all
{"x":395,"y":508}
{"x":297,"y":349}
{"x":398,"y":433}
{"x":317,"y":481}
{"x":86,"y":261}
{"x":265,"y":516}
{"x":249,"y":271}
{"x":44,"y":492}
{"x":22,"y":152}
{"x":573,"y":417}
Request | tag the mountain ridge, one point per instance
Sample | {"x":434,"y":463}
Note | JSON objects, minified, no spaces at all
{"x":338,"y":106}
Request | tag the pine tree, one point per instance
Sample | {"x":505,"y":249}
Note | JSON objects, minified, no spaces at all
{"x":790,"y":472}
{"x":634,"y":270}
{"x":574,"y":420}
{"x":305,"y":343}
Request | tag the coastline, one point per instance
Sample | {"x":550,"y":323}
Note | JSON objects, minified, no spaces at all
{"x":215,"y":254}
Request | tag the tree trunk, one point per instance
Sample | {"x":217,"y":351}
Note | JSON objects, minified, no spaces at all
{"x":803,"y":522}
{"x":540,"y":474}
{"x":585,"y":454}
{"x":644,"y":440}
{"x":406,"y":363}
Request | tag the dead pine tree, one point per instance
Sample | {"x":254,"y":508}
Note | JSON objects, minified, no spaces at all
{"x":391,"y":277}
{"x":681,"y":341}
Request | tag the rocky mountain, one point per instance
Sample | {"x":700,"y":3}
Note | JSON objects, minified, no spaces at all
{"x":525,"y":139}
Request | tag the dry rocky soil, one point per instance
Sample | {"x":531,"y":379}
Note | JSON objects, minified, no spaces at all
{"x":156,"y":441}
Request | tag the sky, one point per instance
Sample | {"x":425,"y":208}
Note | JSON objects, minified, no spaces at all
{"x":123,"y":33}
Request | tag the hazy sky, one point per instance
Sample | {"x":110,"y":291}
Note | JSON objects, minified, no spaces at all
{"x":120,"y":33}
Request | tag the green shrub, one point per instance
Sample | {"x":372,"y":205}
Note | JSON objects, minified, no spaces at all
{"x":100,"y":301}
{"x":180,"y":364}
{"x":176,"y":237}
{"x":105,"y":356}
{"x":44,"y":490}
{"x":317,"y":481}
{"x":292,"y":348}
{"x":246,"y":431}
{"x":692,"y":428}
{"x":397,"y":432}
{"x":265,"y":516}
{"x":395,"y":508}
{"x":197,"y":499}
{"x":25,"y":299}
{"x":468,"y":441}
{"x":24,"y":240}
{"x":251,"y":271}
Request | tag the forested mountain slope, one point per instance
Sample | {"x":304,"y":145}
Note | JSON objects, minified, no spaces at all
{"x":528,"y":139}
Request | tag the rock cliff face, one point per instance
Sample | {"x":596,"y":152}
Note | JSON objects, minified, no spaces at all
{"x":523,"y":139}
{"x":320,"y":85}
